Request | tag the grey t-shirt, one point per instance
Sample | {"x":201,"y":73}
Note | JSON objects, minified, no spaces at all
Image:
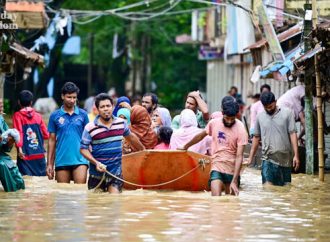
{"x":275,"y":133}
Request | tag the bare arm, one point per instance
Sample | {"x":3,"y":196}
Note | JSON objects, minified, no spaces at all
{"x":134,"y":142}
{"x":238,"y":164}
{"x":51,"y":156}
{"x":195,"y":140}
{"x":254,"y":147}
{"x":201,"y":105}
{"x":87,"y":154}
{"x":294,"y":143}
{"x":302,"y":122}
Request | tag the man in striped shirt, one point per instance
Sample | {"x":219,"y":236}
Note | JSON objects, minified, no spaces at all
{"x":101,"y":144}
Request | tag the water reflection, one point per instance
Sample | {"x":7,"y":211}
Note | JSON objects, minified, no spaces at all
{"x":47,"y":211}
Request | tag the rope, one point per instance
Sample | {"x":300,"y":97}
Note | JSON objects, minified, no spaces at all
{"x":98,"y":185}
{"x":201,"y":163}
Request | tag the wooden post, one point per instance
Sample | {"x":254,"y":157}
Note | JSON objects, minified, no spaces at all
{"x":308,"y":97}
{"x":318,"y":104}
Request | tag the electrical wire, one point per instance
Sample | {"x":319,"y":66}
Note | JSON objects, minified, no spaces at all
{"x":146,"y":14}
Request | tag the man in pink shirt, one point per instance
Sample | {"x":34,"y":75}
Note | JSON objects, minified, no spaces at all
{"x":228,"y":140}
{"x":257,"y":108}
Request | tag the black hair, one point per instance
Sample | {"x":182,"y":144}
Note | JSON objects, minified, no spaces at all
{"x":265,"y":86}
{"x":229,"y":106}
{"x":101,"y":97}
{"x":69,"y":88}
{"x":256,"y":96}
{"x":233,"y":87}
{"x":154,"y":98}
{"x":165,"y":134}
{"x":267,"y":98}
{"x":25,"y":98}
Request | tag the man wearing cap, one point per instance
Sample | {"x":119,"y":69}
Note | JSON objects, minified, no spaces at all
{"x":228,"y":140}
{"x":276,"y":128}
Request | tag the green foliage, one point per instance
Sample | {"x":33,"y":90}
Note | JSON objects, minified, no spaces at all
{"x":6,"y":106}
{"x":175,"y":68}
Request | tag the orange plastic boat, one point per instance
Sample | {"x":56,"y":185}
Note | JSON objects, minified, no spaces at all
{"x":153,"y":167}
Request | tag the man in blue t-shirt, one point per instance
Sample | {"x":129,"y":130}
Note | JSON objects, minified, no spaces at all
{"x":65,"y":126}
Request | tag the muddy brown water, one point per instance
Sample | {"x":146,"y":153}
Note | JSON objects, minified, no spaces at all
{"x":47,"y":211}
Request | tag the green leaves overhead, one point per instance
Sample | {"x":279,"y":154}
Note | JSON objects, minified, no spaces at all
{"x":175,"y":68}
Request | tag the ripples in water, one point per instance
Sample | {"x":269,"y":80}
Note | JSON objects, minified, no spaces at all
{"x":47,"y":211}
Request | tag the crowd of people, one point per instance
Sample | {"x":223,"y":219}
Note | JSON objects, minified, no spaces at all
{"x":80,"y":142}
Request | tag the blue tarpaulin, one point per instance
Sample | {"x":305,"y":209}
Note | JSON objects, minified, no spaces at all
{"x":286,"y":65}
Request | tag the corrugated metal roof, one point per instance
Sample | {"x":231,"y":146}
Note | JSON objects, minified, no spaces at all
{"x":27,"y":54}
{"x":288,"y":34}
{"x":309,"y":54}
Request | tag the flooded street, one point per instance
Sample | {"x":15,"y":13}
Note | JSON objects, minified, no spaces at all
{"x":47,"y":211}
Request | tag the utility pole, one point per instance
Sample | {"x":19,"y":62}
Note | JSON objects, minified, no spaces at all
{"x":308,"y":96}
{"x":90,"y":64}
{"x":320,"y":133}
{"x":2,"y":75}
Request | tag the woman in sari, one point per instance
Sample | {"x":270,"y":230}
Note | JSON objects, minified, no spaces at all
{"x":188,"y":129}
{"x":141,"y":127}
{"x":11,"y":179}
{"x":161,"y":117}
{"x":122,"y":102}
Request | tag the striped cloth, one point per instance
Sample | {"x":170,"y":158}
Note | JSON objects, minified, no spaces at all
{"x":105,"y":144}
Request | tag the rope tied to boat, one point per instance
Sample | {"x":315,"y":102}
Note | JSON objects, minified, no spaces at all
{"x":201,"y":163}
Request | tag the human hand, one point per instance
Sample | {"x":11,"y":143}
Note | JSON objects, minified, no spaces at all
{"x":301,"y":142}
{"x":10,"y":141}
{"x":101,"y":167}
{"x":248,"y":160}
{"x":296,"y":163}
{"x":50,"y":172}
{"x":194,"y":94}
{"x":234,"y":188}
{"x":21,"y":154}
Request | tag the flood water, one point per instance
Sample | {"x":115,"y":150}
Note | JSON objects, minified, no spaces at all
{"x":47,"y":211}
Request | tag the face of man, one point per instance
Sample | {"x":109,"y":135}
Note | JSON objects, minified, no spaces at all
{"x":69,"y":100}
{"x":232,"y":92}
{"x":265,"y":89}
{"x":228,"y":121}
{"x":191,"y":104}
{"x":147,"y":103}
{"x":270,"y":108}
{"x":105,"y":110}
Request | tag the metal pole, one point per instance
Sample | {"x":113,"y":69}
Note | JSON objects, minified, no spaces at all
{"x":318,"y":104}
{"x":308,"y":97}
